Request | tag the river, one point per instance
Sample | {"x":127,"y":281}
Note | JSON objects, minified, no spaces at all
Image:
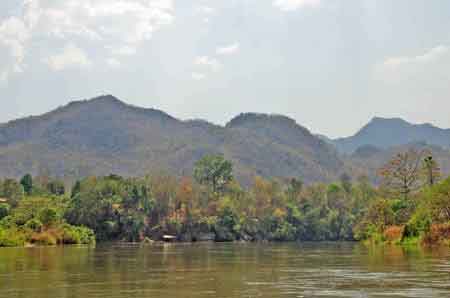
{"x":224,"y":270}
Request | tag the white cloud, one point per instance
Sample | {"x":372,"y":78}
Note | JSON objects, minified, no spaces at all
{"x":14,"y":34}
{"x":113,"y":63}
{"x":208,"y":62}
{"x":228,"y":50}
{"x":211,"y":64}
{"x":71,"y":57}
{"x":198,"y":76}
{"x":429,"y":56}
{"x":123,"y":24}
{"x":291,"y":5}
{"x":4,"y":74}
{"x":428,"y":64}
{"x":122,"y":51}
{"x":205,"y":12}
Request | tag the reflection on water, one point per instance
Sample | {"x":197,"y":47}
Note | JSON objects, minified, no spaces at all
{"x":225,"y":270}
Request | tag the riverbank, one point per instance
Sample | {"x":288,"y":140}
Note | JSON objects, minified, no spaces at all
{"x":114,"y":208}
{"x":57,"y":235}
{"x":436,"y":234}
{"x":69,"y":235}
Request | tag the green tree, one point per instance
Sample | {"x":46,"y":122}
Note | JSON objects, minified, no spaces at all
{"x":27,"y":183}
{"x":76,"y":189}
{"x":113,"y":207}
{"x":437,"y":200}
{"x":214,"y":171}
{"x":13,"y":191}
{"x":49,"y":216}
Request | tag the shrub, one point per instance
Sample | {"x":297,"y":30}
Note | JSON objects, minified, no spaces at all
{"x":7,"y":222}
{"x":367,"y":231}
{"x":380,"y":214}
{"x":44,"y":238}
{"x":393,"y":233}
{"x":77,"y":235}
{"x":49,"y":216}
{"x":419,"y":224}
{"x":250,"y":226}
{"x":4,"y":210}
{"x":438,"y":233}
{"x":402,"y":210}
{"x":34,"y":224}
{"x":285,"y":232}
{"x":11,"y":238}
{"x":437,"y":199}
{"x":71,"y":236}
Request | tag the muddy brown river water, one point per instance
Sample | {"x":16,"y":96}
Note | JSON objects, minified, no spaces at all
{"x":225,"y":270}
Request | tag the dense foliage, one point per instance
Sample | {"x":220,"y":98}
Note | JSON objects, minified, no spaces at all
{"x":412,"y":205}
{"x":36,"y":216}
{"x":213,"y":206}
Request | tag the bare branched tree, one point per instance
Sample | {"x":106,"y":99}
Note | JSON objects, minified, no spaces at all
{"x":403,"y":173}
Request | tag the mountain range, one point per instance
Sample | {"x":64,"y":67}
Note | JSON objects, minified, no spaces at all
{"x":104,"y":135}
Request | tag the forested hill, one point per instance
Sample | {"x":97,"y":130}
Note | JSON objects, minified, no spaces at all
{"x":104,"y":135}
{"x":385,"y":133}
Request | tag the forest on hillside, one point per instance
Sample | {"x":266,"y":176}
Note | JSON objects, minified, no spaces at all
{"x":411,"y":205}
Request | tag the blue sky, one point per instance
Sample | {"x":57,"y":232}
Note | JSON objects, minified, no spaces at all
{"x":331,"y":65}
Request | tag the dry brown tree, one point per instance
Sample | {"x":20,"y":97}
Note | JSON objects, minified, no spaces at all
{"x":406,"y":172}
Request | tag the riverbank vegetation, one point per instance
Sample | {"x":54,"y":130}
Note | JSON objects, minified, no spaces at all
{"x":34,"y":214}
{"x":411,"y":204}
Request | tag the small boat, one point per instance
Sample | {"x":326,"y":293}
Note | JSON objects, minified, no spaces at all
{"x":169,"y":238}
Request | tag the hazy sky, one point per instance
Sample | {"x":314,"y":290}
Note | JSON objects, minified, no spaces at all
{"x":330,"y":64}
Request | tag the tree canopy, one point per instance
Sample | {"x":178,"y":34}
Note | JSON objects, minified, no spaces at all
{"x":214,"y":171}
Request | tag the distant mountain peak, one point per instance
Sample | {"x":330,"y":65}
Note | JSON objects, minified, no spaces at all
{"x":378,"y":119}
{"x":396,"y":120}
{"x":99,"y":100}
{"x":390,"y":132}
{"x":107,"y":98}
{"x":380,"y":122}
{"x":260,"y":117}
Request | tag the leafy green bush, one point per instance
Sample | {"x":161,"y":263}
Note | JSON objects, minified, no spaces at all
{"x":4,"y":210}
{"x":34,"y":224}
{"x":228,"y":226}
{"x":49,"y":216}
{"x":11,"y":238}
{"x":285,"y":232}
{"x":419,"y":223}
{"x":437,"y":200}
{"x":364,"y":230}
{"x":7,"y":222}
{"x":77,"y":235}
